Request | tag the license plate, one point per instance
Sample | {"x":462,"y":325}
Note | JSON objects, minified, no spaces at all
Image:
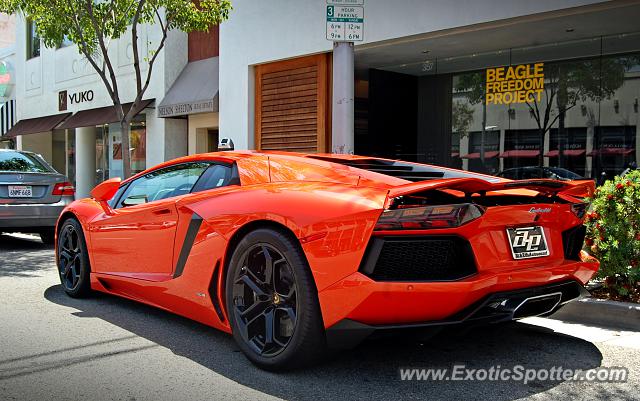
{"x":527,"y":242}
{"x":20,"y":191}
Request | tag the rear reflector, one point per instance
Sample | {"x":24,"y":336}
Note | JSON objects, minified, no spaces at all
{"x":63,"y":188}
{"x":579,"y":209}
{"x":428,"y":217}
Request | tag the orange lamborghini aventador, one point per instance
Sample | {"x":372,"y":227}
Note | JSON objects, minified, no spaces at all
{"x":295,"y":254}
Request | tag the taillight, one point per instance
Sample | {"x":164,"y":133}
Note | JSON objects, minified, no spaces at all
{"x":428,"y":217}
{"x":63,"y":188}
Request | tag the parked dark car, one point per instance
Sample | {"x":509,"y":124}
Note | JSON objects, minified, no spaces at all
{"x":554,"y":173}
{"x":32,"y":194}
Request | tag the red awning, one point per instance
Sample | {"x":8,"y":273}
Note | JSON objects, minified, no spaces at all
{"x":611,"y":151}
{"x":476,"y":155}
{"x":568,"y":152}
{"x":100,"y":116}
{"x":36,"y":125}
{"x":454,"y":154}
{"x":520,"y":153}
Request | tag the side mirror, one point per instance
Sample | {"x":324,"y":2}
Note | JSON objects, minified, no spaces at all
{"x":105,"y":191}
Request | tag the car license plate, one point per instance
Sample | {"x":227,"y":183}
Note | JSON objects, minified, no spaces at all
{"x":20,"y":191}
{"x":527,"y":242}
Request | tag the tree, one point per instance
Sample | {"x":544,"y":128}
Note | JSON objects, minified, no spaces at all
{"x":566,"y":84}
{"x":569,"y":83}
{"x":474,"y":84}
{"x":93,"y":24}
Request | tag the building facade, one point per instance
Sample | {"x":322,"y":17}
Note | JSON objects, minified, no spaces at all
{"x":484,"y":85}
{"x":7,"y":95}
{"x":65,"y":113}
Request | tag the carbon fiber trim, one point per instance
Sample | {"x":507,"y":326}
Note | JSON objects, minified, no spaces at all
{"x":189,"y":238}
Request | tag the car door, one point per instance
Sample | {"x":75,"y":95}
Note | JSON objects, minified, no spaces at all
{"x":137,"y":238}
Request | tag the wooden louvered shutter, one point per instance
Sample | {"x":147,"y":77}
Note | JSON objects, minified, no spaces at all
{"x":292,"y":105}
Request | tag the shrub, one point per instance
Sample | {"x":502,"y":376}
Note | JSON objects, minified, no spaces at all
{"x":613,"y":231}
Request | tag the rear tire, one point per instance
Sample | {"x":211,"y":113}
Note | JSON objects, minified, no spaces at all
{"x":73,"y":260}
{"x":272,"y":302}
{"x":48,"y":236}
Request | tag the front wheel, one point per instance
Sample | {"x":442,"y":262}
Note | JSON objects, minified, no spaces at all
{"x":273,"y":302}
{"x":73,"y":259}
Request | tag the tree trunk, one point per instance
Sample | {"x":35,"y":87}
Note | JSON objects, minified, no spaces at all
{"x":543,"y":132}
{"x":561,"y":135}
{"x":483,"y":134}
{"x":125,"y":128}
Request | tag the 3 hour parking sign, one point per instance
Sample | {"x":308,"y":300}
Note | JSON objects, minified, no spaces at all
{"x":345,"y":22}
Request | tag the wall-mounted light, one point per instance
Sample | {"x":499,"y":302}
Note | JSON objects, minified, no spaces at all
{"x":512,"y":113}
{"x":616,"y":106}
{"x":635,"y":106}
{"x":583,"y":110}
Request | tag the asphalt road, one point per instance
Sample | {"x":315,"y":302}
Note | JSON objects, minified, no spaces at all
{"x":53,"y":347}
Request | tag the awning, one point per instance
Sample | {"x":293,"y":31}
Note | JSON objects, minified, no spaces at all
{"x":568,"y":152}
{"x":36,"y":125}
{"x":476,"y":155}
{"x":194,"y":91}
{"x":455,"y":154}
{"x":100,"y":116}
{"x":611,"y":151}
{"x":520,"y":153}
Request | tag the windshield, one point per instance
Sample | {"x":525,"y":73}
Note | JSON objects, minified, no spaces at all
{"x":564,"y":173}
{"x":22,"y":163}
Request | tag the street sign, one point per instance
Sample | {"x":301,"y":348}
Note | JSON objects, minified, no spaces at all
{"x":345,"y":23}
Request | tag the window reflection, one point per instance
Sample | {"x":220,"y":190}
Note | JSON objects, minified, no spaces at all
{"x":585,"y":119}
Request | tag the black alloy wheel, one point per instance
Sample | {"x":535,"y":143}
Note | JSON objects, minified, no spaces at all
{"x":264,"y":300}
{"x":272,"y":302}
{"x":72,"y":258}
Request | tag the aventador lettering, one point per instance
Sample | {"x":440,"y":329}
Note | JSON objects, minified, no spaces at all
{"x":522,"y":83}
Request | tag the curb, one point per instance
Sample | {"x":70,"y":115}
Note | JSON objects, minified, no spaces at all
{"x":601,"y":312}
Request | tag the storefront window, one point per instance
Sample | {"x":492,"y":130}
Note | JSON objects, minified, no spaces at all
{"x":539,"y":110}
{"x":137,"y":147}
{"x":138,"y":143}
{"x":102,"y":155}
{"x":33,"y":41}
{"x":71,"y":155}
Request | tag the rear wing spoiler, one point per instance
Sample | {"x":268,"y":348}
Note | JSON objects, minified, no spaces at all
{"x":574,"y":190}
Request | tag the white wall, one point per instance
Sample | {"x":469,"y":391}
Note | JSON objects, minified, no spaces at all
{"x":198,"y":136}
{"x":263,"y":31}
{"x":39,"y":80}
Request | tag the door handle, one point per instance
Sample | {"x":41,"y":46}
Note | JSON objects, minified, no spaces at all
{"x":162,"y":211}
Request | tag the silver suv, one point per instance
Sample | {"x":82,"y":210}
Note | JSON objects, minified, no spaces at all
{"x":32,"y":194}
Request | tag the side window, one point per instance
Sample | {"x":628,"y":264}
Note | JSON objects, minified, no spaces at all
{"x":530,"y":173}
{"x":510,"y":174}
{"x":112,"y":201}
{"x":162,"y":184}
{"x":216,"y":176}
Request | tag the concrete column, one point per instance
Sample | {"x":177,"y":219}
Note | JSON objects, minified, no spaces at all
{"x":342,"y":121}
{"x":85,"y":161}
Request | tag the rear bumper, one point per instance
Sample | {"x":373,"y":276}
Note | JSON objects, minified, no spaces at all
{"x":30,"y":216}
{"x":496,"y":307}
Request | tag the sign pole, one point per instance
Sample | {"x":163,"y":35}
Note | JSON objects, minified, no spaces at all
{"x":343,"y":110}
{"x":345,"y":25}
